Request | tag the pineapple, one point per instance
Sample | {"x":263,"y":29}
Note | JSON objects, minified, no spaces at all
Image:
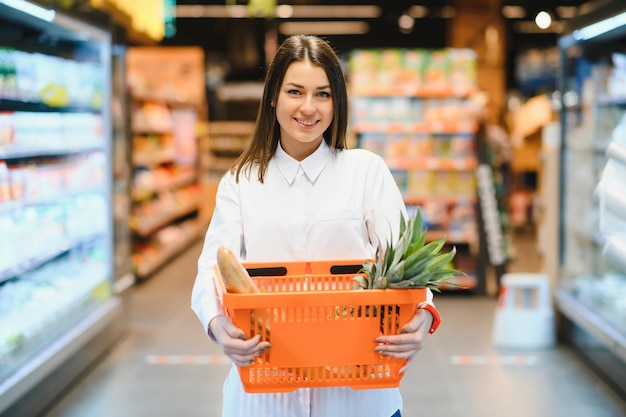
{"x":411,"y":262}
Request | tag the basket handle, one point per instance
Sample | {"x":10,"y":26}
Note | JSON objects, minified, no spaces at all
{"x":275,"y":271}
{"x":345,"y":269}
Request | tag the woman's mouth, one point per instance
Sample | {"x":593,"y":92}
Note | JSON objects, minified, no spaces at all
{"x":307,"y":123}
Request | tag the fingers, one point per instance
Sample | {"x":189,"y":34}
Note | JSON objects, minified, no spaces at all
{"x":247,"y":359}
{"x":235,"y":345}
{"x":420,"y":320}
{"x":407,"y":365}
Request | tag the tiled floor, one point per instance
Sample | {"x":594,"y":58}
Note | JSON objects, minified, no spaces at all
{"x":460,"y":373}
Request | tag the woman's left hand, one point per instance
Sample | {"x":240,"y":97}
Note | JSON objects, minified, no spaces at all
{"x":410,"y":340}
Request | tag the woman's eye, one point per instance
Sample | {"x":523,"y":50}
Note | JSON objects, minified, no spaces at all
{"x":293,"y":92}
{"x":324,"y":94}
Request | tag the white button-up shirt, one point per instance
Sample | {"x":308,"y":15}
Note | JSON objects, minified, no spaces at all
{"x":335,"y":204}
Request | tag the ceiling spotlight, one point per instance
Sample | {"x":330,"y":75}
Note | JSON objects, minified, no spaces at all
{"x":405,"y":23}
{"x":513,"y":12}
{"x":447,"y":12}
{"x":284,"y":11}
{"x":543,"y":20}
{"x":567,"y":12}
{"x":417,"y":12}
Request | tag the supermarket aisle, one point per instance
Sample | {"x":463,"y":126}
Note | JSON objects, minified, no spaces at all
{"x":460,"y":373}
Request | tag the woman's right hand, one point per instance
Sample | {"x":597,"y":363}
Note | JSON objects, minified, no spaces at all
{"x":233,"y":341}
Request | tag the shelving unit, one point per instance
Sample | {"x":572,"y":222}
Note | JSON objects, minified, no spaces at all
{"x":411,"y":107}
{"x":58,"y":307}
{"x":591,"y":290}
{"x":165,"y":192}
{"x":221,"y":143}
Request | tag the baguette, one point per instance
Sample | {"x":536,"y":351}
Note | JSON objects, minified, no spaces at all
{"x":235,"y":276}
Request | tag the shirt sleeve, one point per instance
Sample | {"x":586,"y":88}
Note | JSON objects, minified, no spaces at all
{"x":225,"y":228}
{"x":383,"y":204}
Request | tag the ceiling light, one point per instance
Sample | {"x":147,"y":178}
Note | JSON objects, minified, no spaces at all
{"x":417,"y":12}
{"x":528,"y":26}
{"x":324,"y":28}
{"x":282,"y":11}
{"x":600,"y":28}
{"x":31,"y":9}
{"x":354,"y":12}
{"x":567,"y":12}
{"x":543,"y":20}
{"x":447,"y":12}
{"x":406,"y":23}
{"x":513,"y":12}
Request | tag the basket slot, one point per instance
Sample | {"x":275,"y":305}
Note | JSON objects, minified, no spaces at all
{"x":267,"y":271}
{"x":389,"y":319}
{"x":346,"y":269}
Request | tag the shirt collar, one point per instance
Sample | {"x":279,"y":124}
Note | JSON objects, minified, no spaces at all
{"x":312,"y":165}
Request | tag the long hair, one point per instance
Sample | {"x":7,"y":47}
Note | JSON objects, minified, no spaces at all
{"x":267,"y":131}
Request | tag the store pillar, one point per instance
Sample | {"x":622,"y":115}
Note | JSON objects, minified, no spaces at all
{"x":479,"y":25}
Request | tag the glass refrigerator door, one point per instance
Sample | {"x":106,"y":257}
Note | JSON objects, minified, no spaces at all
{"x":56,"y":232}
{"x":592,"y":287}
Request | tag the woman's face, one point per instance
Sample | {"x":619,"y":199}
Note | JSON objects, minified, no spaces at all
{"x":304,"y":108}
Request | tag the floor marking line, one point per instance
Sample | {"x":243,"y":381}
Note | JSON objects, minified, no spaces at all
{"x":187,"y":360}
{"x":515,"y":360}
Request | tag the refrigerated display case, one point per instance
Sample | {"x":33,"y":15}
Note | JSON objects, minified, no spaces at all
{"x":591,"y":292}
{"x":58,"y":308}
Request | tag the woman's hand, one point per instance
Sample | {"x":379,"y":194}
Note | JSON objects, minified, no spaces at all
{"x":233,"y":341}
{"x":410,"y":340}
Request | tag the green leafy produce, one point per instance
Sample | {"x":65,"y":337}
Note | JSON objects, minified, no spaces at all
{"x":411,"y":262}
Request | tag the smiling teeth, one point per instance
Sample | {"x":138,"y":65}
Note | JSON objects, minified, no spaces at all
{"x":309,"y":123}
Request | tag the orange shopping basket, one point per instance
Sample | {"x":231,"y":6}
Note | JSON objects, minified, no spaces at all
{"x":321,"y":329}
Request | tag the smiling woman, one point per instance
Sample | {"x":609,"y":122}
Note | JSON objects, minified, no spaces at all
{"x":296,"y":194}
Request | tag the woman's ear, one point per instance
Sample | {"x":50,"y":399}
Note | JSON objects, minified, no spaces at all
{"x":273,"y":103}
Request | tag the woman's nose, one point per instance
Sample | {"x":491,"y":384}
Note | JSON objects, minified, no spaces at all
{"x":308,"y":105}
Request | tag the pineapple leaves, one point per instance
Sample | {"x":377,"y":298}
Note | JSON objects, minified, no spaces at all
{"x":411,"y":262}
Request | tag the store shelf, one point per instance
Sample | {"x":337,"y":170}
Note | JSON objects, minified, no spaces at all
{"x":430,"y":127}
{"x":408,"y":90}
{"x":178,"y":180}
{"x":7,"y":104}
{"x":145,"y":226}
{"x":14,"y":153}
{"x":432,"y":163}
{"x":164,"y":253}
{"x":615,"y":252}
{"x":453,"y":236}
{"x":611,"y":100}
{"x":617,"y":151}
{"x":33,"y":262}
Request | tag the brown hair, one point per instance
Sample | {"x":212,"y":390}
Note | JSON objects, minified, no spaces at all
{"x":267,"y":132}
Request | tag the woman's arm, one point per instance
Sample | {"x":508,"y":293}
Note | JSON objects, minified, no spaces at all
{"x":224,"y":228}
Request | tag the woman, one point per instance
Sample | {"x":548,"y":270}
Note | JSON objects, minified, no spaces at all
{"x":297,"y":194}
